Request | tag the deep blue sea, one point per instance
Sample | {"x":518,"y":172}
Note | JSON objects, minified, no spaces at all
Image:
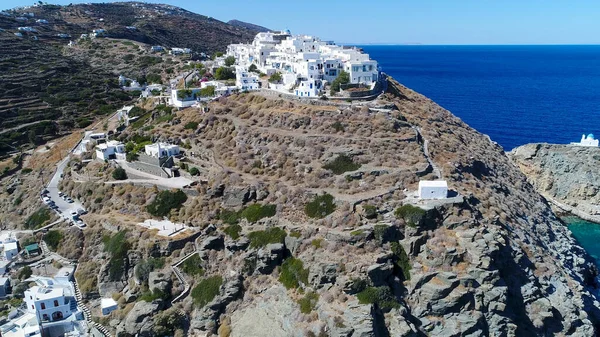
{"x":515,"y":94}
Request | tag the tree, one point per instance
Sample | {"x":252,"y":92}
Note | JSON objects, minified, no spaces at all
{"x":184,"y":93}
{"x":343,"y":78}
{"x":224,"y":73}
{"x":194,"y":171}
{"x":253,"y":68}
{"x":217,"y":54}
{"x":119,"y":174}
{"x":229,"y":61}
{"x":208,"y":91}
{"x":276,"y":78}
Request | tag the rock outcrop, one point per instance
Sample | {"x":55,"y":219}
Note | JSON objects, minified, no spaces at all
{"x":566,"y":175}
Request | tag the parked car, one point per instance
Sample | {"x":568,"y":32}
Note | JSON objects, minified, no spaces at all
{"x":60,"y":194}
{"x":73,"y":213}
{"x":45,"y":191}
{"x":69,"y":200}
{"x":79,"y":223}
{"x":46,"y":200}
{"x":81,"y":211}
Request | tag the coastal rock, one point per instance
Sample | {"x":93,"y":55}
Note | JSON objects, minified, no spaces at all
{"x":139,"y":320}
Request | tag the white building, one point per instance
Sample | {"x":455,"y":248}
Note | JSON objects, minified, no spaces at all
{"x":159,"y":150}
{"x":180,"y":51}
{"x":433,"y":189}
{"x":98,"y":33}
{"x":306,"y":63}
{"x":8,"y":246}
{"x":42,"y":21}
{"x":110,"y":150}
{"x":27,"y":29}
{"x":156,"y":49}
{"x":246,"y":80}
{"x":588,"y":140}
{"x":108,"y":305}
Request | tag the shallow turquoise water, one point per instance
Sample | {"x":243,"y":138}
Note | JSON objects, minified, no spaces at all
{"x":587,"y":234}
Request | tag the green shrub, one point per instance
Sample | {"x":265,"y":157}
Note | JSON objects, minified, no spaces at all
{"x":253,"y":68}
{"x":382,"y":296}
{"x":224,"y":73}
{"x":38,"y":218}
{"x":343,"y":78}
{"x":229,"y":217}
{"x":166,"y":322}
{"x":192,"y":267}
{"x":370,"y":211}
{"x":308,"y":302}
{"x":295,"y":234}
{"x":26,"y":170}
{"x":317,"y":243}
{"x":255,"y":212}
{"x":208,"y":91}
{"x":292,"y":272}
{"x":53,"y":238}
{"x":191,"y":126}
{"x":144,"y":267}
{"x":379,"y":232}
{"x":194,"y":171}
{"x":233,"y":231}
{"x":342,"y":163}
{"x":402,"y":261}
{"x":338,"y":126}
{"x":25,"y":273}
{"x":117,"y":247}
{"x":206,"y":290}
{"x":154,"y":78}
{"x":320,"y":207}
{"x":154,"y":294}
{"x":119,"y":174}
{"x":165,"y":201}
{"x":229,"y":61}
{"x":275,"y":78}
{"x":412,"y":215}
{"x":263,"y":238}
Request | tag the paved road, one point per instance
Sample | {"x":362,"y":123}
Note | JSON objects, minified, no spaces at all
{"x":64,"y":207}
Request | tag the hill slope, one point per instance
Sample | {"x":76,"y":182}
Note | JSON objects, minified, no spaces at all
{"x":247,"y":25}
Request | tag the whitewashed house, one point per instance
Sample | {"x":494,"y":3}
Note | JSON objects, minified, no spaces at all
{"x":588,"y":140}
{"x":156,"y":49}
{"x":110,"y":150}
{"x":98,"y":33}
{"x":42,"y":21}
{"x":8,"y":246}
{"x":180,"y":51}
{"x":433,"y":189}
{"x":159,"y":150}
{"x":246,"y":80}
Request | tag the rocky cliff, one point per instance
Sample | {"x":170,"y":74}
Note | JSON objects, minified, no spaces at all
{"x":566,"y":175}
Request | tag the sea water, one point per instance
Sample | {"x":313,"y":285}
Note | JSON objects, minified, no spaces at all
{"x":515,"y":94}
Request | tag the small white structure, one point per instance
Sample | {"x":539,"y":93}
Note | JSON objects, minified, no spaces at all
{"x":98,"y":136}
{"x":108,"y":305}
{"x":98,"y":33}
{"x":156,"y":49}
{"x":42,"y":21}
{"x":159,"y":150}
{"x":27,"y":29}
{"x":433,"y":189}
{"x":588,"y":140}
{"x":180,"y":51}
{"x":8,"y":246}
{"x":110,"y":150}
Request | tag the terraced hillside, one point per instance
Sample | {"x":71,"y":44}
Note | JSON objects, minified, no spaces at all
{"x":43,"y":92}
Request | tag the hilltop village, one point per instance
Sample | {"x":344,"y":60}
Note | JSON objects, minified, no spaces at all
{"x":269,"y":185}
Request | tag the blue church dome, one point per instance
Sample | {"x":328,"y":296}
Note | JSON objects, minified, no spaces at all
{"x":591,"y":136}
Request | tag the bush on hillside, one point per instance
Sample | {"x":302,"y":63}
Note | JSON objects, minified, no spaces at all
{"x":38,"y":218}
{"x":320,"y":207}
{"x":308,"y":302}
{"x":192,"y":267}
{"x":412,"y":215}
{"x":229,"y":61}
{"x":292,"y":272}
{"x":233,"y":231}
{"x":381,"y":296}
{"x":255,"y":212}
{"x":119,"y":174}
{"x":53,"y":238}
{"x":342,"y":163}
{"x":117,"y":247}
{"x":402,"y":262}
{"x":206,"y":290}
{"x":262,"y":238}
{"x":165,"y":201}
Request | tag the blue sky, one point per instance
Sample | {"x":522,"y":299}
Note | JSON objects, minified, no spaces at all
{"x":410,"y":21}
